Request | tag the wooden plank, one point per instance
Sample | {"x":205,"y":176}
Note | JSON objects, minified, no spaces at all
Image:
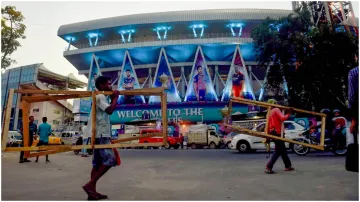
{"x":164,"y":117}
{"x":264,"y":104}
{"x":25,"y":127}
{"x":42,"y":153}
{"x":267,"y":119}
{"x":145,"y":91}
{"x":265,"y":135}
{"x":282,"y":125}
{"x":58,"y":92}
{"x":93,"y":120}
{"x":44,"y":98}
{"x":136,"y":137}
{"x":229,"y":113}
{"x":322,"y":134}
{"x":6,"y":123}
{"x":77,"y":147}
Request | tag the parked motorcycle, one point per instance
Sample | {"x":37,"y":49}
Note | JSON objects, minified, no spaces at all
{"x":337,"y":144}
{"x":79,"y":141}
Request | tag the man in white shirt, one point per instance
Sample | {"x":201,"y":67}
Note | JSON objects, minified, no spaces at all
{"x":103,"y":159}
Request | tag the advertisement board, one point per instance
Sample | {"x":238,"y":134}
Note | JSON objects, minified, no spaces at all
{"x":128,"y":80}
{"x":190,"y":112}
{"x":200,"y":87}
{"x":163,"y":71}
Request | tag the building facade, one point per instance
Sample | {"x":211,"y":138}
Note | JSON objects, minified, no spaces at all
{"x":37,"y":77}
{"x":173,"y":43}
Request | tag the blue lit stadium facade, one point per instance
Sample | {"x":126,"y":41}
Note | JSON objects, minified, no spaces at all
{"x":173,"y":43}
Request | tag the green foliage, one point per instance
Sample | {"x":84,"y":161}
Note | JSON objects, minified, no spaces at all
{"x":12,"y":29}
{"x":325,"y":58}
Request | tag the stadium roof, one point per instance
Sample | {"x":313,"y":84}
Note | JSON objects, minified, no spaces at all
{"x":52,"y":77}
{"x":173,"y":16}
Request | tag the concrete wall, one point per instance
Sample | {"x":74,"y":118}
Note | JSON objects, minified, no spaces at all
{"x":51,"y":110}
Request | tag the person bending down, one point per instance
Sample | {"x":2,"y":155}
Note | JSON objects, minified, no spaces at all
{"x":103,"y":159}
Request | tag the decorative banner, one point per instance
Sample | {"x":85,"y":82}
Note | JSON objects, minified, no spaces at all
{"x":128,"y":81}
{"x":238,"y":83}
{"x":200,"y":86}
{"x":207,"y":112}
{"x":94,"y":73}
{"x":164,"y":73}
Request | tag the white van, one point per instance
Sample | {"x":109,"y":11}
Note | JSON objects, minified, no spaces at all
{"x":69,"y":137}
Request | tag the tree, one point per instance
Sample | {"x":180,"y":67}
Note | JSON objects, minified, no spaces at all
{"x":12,"y":29}
{"x":314,"y":60}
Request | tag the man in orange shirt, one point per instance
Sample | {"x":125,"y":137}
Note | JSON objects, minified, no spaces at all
{"x":276,"y":121}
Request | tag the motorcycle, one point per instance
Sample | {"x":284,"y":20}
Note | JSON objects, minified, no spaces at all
{"x":79,"y":141}
{"x":336,"y":145}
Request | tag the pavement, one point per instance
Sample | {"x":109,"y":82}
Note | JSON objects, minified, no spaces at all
{"x":181,"y":175}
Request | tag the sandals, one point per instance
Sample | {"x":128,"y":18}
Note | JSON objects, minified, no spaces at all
{"x":269,"y":171}
{"x":102,"y":196}
{"x":92,"y":196}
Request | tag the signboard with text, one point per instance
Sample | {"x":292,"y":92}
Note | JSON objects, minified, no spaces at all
{"x":189,"y":112}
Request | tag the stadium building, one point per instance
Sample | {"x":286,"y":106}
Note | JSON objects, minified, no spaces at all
{"x":141,"y":48}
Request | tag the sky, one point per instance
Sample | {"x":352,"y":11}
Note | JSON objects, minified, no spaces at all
{"x":42,"y":19}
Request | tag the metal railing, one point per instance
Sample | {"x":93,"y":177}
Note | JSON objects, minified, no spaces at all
{"x":150,"y":38}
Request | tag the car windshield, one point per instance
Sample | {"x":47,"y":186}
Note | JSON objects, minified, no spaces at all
{"x":17,"y":137}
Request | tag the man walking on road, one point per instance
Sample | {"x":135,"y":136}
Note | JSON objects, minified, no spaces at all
{"x":276,"y":122}
{"x":103,"y":159}
{"x":85,"y":139}
{"x":44,"y":133}
{"x":32,"y":132}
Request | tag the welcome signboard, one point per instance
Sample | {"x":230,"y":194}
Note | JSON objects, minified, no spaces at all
{"x":189,"y":112}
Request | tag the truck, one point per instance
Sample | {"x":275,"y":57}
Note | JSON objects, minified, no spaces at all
{"x":172,"y":141}
{"x":201,"y":135}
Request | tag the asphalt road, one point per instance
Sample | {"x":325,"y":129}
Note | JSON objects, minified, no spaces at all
{"x":181,"y":175}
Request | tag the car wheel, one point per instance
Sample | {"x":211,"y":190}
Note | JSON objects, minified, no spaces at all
{"x":176,"y":146}
{"x":228,"y":145}
{"x":243,"y":146}
{"x":168,"y":146}
{"x":146,"y":147}
{"x":212,"y":145}
{"x":193,"y":146}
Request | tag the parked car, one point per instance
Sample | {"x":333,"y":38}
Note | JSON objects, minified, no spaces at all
{"x":70,"y":137}
{"x":226,"y":139}
{"x":246,"y":143}
{"x":14,"y":139}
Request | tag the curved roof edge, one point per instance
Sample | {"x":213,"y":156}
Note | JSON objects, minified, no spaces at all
{"x":173,"y":16}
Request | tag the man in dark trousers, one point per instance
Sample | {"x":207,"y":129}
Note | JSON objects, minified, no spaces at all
{"x":32,"y":132}
{"x":44,"y":133}
{"x":276,"y":122}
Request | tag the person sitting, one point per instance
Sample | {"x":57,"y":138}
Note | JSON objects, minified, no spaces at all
{"x":314,"y":133}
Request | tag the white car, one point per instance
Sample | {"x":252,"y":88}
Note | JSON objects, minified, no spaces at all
{"x":246,"y":143}
{"x":14,"y":139}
